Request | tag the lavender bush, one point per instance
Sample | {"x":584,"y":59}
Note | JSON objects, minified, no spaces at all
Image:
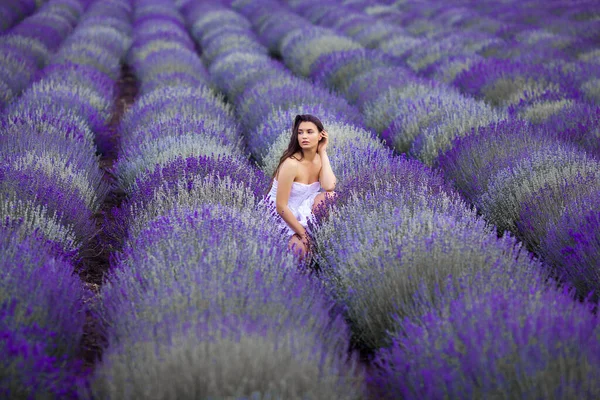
{"x":233,"y":71}
{"x":426,"y":125}
{"x":270,"y":27}
{"x":183,"y":172}
{"x":512,"y":187}
{"x":27,"y":46}
{"x":422,"y":239}
{"x":49,"y":159}
{"x":14,"y":10}
{"x":475,"y":157}
{"x":42,"y":314}
{"x":504,"y":83}
{"x":229,"y":271}
{"x":299,"y":47}
{"x":444,"y":354}
{"x":180,"y":118}
{"x":571,"y":244}
{"x":14,"y":210}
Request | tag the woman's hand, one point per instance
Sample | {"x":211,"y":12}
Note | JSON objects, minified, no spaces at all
{"x":323,"y":142}
{"x":304,"y":239}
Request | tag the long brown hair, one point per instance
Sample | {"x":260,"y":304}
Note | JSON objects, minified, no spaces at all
{"x":294,"y":145}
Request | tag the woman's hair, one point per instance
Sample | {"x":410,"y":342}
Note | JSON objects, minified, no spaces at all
{"x":293,"y":146}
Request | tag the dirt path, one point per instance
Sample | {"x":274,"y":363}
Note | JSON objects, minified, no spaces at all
{"x":95,"y":254}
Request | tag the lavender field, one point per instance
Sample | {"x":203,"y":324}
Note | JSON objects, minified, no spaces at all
{"x":140,"y":258}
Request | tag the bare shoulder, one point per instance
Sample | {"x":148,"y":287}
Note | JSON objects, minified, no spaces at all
{"x":290,"y":163}
{"x":289,"y":167}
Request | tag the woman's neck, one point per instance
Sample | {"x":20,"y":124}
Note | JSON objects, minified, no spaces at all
{"x":310,"y":154}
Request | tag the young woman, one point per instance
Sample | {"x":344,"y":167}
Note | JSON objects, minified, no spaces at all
{"x":303,"y":172}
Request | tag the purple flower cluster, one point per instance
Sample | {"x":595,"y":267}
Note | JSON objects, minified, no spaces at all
{"x":27,"y":46}
{"x":526,"y":179}
{"x":42,"y":314}
{"x":47,"y":137}
{"x":214,"y":319}
{"x":572,"y":243}
{"x":13,"y":11}
{"x":178,"y":116}
{"x":522,"y":342}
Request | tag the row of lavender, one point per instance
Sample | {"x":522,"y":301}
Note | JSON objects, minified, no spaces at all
{"x":13,"y":11}
{"x":51,"y":185}
{"x":534,"y":180}
{"x":27,"y":47}
{"x":535,"y":73}
{"x":400,"y":252}
{"x":575,"y":22}
{"x":171,"y":72}
{"x":523,"y":88}
{"x":204,"y":301}
{"x":547,"y":77}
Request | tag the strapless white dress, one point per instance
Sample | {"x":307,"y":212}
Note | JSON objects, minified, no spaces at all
{"x":302,"y":197}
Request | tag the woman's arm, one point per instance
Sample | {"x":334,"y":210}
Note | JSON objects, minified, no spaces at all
{"x":287,"y":174}
{"x":326,"y":176}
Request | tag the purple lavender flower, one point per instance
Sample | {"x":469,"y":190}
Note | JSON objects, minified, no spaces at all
{"x":272,"y":26}
{"x":54,"y":97}
{"x":231,"y":288}
{"x":42,"y":314}
{"x":474,"y":158}
{"x":12,"y":11}
{"x":170,"y":176}
{"x":521,"y":342}
{"x":338,"y":69}
{"x":231,"y":72}
{"x":61,"y":127}
{"x":505,"y":82}
{"x":368,"y":86}
{"x":258,"y":99}
{"x":542,"y":209}
{"x":578,"y":123}
{"x":514,"y":187}
{"x":26,"y":48}
{"x":300,"y":52}
{"x":228,"y":41}
{"x":572,"y":244}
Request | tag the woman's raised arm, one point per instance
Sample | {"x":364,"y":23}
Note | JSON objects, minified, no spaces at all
{"x":326,"y":176}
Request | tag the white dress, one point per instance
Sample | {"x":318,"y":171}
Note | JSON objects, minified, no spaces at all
{"x":302,"y":197}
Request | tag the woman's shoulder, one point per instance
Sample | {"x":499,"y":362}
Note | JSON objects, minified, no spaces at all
{"x":289,"y":165}
{"x":296,"y":156}
{"x":291,"y":161}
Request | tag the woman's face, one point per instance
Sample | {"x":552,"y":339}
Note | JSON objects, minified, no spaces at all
{"x":308,"y":135}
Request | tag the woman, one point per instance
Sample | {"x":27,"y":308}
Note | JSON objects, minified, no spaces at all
{"x":303,"y":170}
